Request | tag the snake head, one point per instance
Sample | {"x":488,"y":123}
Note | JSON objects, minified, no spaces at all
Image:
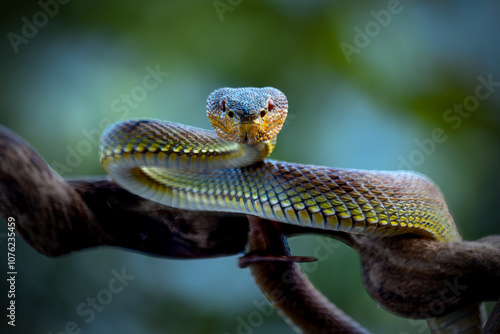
{"x":247,"y":115}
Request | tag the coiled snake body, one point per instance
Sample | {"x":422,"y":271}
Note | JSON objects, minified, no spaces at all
{"x":192,"y":168}
{"x":195,"y":169}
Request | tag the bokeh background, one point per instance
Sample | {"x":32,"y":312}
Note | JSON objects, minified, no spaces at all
{"x":369,"y":99}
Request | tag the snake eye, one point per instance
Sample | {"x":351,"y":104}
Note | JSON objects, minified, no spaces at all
{"x":270,"y":105}
{"x":230,"y":114}
{"x":222,"y":104}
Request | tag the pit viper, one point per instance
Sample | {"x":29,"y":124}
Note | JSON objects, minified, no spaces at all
{"x":191,"y":168}
{"x":228,"y":170}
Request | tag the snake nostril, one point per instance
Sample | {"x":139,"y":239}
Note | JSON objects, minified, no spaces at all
{"x":263,"y":113}
{"x":230,"y":114}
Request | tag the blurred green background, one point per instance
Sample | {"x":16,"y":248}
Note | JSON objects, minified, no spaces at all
{"x":368,"y":84}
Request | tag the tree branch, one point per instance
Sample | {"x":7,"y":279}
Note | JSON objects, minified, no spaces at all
{"x":57,"y":217}
{"x":407,"y":275}
{"x":286,"y":286}
{"x":418,"y":278}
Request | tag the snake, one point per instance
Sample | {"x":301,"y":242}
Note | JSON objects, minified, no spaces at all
{"x":228,"y":170}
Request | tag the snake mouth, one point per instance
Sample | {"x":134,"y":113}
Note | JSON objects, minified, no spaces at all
{"x":247,"y":131}
{"x":245,"y":127}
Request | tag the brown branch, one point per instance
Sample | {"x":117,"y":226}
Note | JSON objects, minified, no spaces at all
{"x":408,"y":276}
{"x":286,"y":286}
{"x":419,"y":278}
{"x":57,"y":217}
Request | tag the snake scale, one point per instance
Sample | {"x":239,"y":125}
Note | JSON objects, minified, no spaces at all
{"x":228,"y":170}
